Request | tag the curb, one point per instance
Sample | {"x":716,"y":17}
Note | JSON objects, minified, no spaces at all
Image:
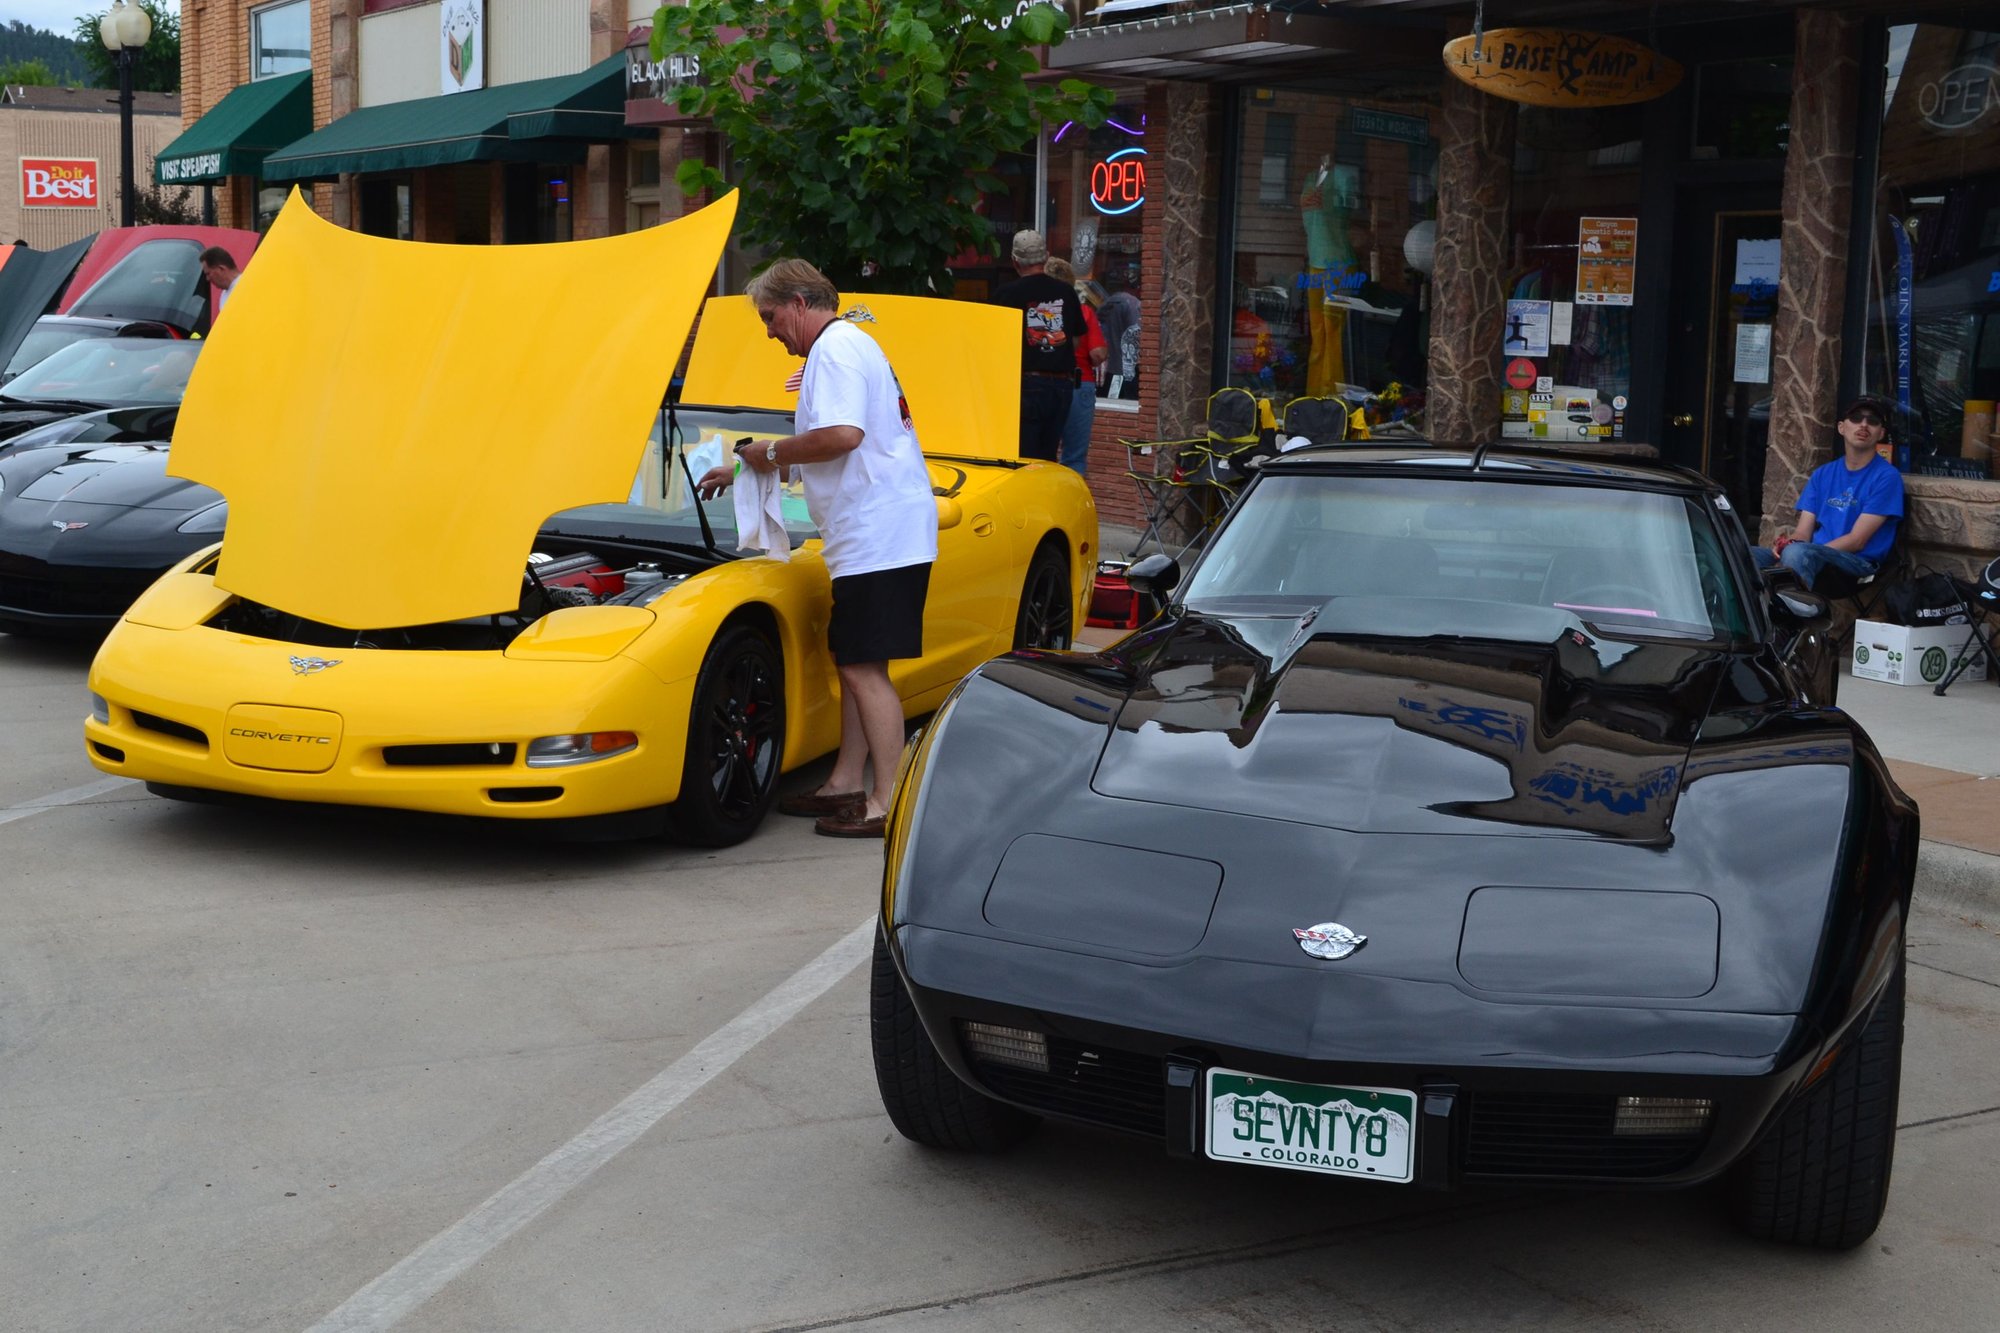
{"x":1958,"y":879}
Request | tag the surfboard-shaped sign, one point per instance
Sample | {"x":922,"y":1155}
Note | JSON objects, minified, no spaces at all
{"x":1559,"y":67}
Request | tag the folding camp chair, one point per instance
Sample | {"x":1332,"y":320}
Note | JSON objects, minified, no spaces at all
{"x":1161,"y":470}
{"x":1186,"y":486}
{"x":1982,"y":609}
{"x":1316,"y":420}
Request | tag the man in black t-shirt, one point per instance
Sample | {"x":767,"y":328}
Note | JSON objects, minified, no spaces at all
{"x":1052,"y":318}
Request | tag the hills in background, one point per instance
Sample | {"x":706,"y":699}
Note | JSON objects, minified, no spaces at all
{"x":18,"y":41}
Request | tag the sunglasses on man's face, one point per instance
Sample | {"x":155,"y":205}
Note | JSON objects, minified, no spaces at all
{"x":1865,"y":419}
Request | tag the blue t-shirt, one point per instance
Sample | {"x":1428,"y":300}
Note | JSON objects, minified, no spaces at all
{"x":1837,"y":497}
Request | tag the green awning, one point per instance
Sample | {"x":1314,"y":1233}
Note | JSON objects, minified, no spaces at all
{"x":239,"y":131}
{"x":542,"y":120}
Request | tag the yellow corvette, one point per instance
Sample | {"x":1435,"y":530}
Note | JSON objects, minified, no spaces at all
{"x":393,"y":619}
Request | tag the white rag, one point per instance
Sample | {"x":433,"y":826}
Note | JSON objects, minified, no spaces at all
{"x":760,"y":514}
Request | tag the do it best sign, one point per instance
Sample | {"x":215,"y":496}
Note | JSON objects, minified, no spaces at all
{"x":59,"y":182}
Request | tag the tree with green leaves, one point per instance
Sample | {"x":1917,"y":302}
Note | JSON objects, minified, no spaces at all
{"x":156,"y":68}
{"x":29,"y":73}
{"x":864,"y":130}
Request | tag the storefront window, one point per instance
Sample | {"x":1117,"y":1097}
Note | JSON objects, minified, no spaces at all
{"x":1099,"y":197}
{"x":280,"y":39}
{"x":1934,"y":327}
{"x":1333,"y":234}
{"x":1573,"y":257}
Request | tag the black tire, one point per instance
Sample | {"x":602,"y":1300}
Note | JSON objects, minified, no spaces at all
{"x":926,"y":1102}
{"x":736,"y":741}
{"x":1821,"y":1174}
{"x":1047,"y":618}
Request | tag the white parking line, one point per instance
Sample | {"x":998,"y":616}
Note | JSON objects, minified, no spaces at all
{"x":62,"y":798}
{"x":385,"y":1302}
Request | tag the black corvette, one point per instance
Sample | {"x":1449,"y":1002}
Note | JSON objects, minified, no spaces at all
{"x":89,"y":518}
{"x":93,"y":375}
{"x":1467,"y":816}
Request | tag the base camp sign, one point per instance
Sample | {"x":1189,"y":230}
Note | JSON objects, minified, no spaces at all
{"x":1557,"y":67}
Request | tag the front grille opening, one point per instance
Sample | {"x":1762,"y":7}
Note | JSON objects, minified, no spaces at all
{"x":1534,"y":1134}
{"x":166,"y":726}
{"x":484,"y":754}
{"x":523,"y":795}
{"x":111,"y":752}
{"x":1095,"y":1084}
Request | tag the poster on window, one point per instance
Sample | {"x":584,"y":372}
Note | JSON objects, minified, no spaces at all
{"x":461,"y":46}
{"x":1607,"y":255}
{"x":1527,"y":329}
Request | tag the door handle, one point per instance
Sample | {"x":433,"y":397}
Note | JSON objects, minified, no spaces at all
{"x":982,"y":524}
{"x":1683,"y":419}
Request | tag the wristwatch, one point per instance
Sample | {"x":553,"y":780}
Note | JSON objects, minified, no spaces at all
{"x":771,"y":452}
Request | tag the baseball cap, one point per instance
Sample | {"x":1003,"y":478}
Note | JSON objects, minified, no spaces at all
{"x":1030,"y":248}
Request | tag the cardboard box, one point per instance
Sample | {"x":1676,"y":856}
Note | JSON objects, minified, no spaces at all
{"x":1907,"y":655}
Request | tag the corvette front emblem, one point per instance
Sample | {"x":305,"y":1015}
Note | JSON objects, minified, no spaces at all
{"x":1329,"y":939}
{"x":306,"y":666}
{"x":61,"y":526}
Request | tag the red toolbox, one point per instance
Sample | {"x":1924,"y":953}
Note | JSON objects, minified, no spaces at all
{"x":1114,"y":603}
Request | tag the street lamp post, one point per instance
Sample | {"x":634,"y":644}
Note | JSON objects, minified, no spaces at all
{"x":124,"y":30}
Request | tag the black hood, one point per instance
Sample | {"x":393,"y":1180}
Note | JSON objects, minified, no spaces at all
{"x":98,"y":504}
{"x":30,"y":282}
{"x":1544,"y":727}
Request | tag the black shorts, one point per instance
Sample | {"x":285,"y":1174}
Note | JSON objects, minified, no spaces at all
{"x":879,"y":616}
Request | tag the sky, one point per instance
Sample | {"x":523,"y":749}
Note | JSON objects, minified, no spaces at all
{"x":58,"y":15}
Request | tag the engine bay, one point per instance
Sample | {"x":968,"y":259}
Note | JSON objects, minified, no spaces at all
{"x":558,"y":574}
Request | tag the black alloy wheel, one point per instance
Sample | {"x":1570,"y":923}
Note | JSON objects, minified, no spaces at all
{"x":1046,"y":620}
{"x":736,"y":741}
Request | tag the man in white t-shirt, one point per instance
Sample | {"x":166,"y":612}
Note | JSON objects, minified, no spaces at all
{"x":869,"y":493}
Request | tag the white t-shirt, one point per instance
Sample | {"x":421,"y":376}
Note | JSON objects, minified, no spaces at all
{"x":873,"y":505}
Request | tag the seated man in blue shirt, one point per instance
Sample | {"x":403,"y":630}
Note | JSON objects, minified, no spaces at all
{"x":1850,"y":507}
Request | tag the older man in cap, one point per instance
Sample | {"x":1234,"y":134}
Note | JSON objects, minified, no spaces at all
{"x":1052,"y":322}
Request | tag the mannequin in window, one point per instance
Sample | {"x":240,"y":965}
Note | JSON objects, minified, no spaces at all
{"x":1329,"y":258}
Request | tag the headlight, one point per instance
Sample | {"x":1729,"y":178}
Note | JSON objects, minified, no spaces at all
{"x":100,"y":711}
{"x":584,"y":748}
{"x":210,"y":519}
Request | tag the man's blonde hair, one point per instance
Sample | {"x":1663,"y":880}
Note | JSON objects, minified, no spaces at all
{"x":1059,"y":269}
{"x":787,"y":278}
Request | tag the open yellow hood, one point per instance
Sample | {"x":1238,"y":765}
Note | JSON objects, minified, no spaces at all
{"x":959,"y":364}
{"x":391,"y":421}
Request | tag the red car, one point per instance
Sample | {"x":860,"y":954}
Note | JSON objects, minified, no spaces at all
{"x":152,"y":273}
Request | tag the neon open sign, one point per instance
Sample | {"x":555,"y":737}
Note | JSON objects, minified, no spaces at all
{"x":1118,"y":183}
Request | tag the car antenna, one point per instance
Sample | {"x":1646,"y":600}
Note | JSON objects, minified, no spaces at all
{"x":672,"y":429}
{"x":1479,"y":454}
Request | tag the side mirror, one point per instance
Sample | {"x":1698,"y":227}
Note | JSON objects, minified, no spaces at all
{"x":950,"y":513}
{"x":1155,"y":576}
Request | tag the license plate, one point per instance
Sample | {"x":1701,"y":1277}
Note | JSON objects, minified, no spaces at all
{"x":1367,"y":1132}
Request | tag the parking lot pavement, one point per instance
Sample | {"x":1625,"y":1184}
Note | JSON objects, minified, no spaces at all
{"x":252,"y":1063}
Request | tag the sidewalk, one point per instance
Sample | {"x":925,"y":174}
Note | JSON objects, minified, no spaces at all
{"x":1945,"y":752}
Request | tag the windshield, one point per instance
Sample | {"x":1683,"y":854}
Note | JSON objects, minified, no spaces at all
{"x":159,"y":280}
{"x":45,"y":338}
{"x":113,"y":372}
{"x":1632,"y":562}
{"x":662,"y":507}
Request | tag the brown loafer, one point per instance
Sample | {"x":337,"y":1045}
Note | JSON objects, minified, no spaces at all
{"x":812,"y":805}
{"x":860,"y":824}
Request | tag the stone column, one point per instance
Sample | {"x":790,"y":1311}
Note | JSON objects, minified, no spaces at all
{"x":1468,"y":278}
{"x":1812,"y":273}
{"x":1184,"y":291}
{"x":600,"y":204}
{"x":342,"y":72}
